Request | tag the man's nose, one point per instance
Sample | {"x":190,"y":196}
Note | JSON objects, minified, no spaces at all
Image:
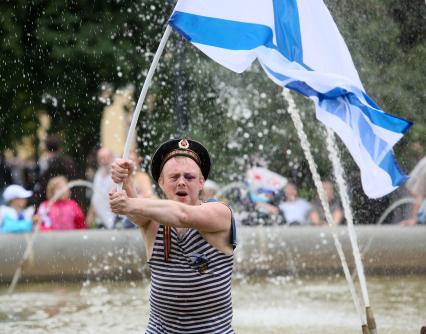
{"x":181,"y":180}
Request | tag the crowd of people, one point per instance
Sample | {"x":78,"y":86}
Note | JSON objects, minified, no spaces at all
{"x":286,"y":207}
{"x":39,"y":198}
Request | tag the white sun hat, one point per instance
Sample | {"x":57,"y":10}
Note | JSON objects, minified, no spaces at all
{"x":15,"y":191}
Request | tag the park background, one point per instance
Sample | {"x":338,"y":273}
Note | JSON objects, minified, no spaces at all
{"x":70,"y":60}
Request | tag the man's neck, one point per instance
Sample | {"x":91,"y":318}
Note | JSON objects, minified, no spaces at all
{"x":181,"y":231}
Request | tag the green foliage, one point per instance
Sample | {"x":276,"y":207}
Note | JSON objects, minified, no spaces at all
{"x":57,"y":54}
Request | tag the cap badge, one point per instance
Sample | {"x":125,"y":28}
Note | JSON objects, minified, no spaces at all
{"x":184,"y":144}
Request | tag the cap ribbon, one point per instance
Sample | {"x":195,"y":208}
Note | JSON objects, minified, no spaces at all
{"x":179,"y":152}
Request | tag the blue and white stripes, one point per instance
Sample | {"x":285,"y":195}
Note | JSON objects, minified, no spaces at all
{"x":299,"y":47}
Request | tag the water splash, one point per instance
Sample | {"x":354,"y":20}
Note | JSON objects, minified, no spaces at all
{"x":343,"y":191}
{"x":295,"y":116}
{"x":229,"y":187}
{"x":385,"y":214}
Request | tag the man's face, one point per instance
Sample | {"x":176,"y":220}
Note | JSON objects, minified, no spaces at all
{"x":290,"y":191}
{"x":181,"y":180}
{"x":104,"y":158}
{"x":329,"y":191}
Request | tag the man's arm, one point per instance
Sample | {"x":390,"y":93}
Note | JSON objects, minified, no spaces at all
{"x":212,"y":220}
{"x":207,"y":217}
{"x":338,"y":216}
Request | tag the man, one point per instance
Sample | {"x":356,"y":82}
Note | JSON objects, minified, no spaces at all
{"x":416,"y":184}
{"x":294,"y":208}
{"x":5,"y":175}
{"x":100,"y":211}
{"x":189,"y":244}
{"x":55,"y":163}
{"x":317,"y":214}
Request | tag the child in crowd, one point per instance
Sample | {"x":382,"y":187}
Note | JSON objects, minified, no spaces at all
{"x":15,"y":217}
{"x":60,"y":212}
{"x":210,"y":190}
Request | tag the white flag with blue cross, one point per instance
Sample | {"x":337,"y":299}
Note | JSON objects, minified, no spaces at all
{"x":299,"y":47}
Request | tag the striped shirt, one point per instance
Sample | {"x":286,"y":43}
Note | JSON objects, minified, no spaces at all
{"x":191,"y":293}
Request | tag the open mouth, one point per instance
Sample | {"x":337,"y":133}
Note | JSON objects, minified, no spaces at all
{"x":181,"y":194}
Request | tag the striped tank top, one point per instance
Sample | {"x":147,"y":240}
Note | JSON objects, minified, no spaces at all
{"x":191,"y":293}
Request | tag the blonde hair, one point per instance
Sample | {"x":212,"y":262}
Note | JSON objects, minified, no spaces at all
{"x":52,"y":185}
{"x":181,"y":157}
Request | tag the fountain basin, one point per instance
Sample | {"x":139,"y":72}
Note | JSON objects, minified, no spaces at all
{"x":262,"y":251}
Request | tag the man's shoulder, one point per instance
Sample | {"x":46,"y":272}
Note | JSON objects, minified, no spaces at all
{"x":306,"y":204}
{"x":296,"y":203}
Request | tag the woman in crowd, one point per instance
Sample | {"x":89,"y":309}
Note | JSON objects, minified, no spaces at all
{"x":60,"y":212}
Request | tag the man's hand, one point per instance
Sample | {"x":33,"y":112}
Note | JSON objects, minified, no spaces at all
{"x":119,"y":202}
{"x":121,"y":170}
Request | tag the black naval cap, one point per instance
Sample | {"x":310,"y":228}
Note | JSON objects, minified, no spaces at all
{"x":180,"y":147}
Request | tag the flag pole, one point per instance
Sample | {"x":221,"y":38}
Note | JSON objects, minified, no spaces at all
{"x":148,"y":79}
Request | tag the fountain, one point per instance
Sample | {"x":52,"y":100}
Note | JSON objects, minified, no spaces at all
{"x":94,"y":273}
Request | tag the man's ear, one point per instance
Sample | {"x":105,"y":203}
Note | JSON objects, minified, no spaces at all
{"x":202,"y":181}
{"x":161,"y":182}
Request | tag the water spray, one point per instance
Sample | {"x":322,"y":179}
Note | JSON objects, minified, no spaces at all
{"x":385,"y":214}
{"x":225,"y":189}
{"x":29,"y":248}
{"x":146,"y":84}
{"x":295,"y":116}
{"x":343,"y":191}
{"x":241,"y":185}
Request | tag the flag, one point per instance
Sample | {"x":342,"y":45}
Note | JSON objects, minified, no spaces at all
{"x":264,"y":184}
{"x":299,"y":47}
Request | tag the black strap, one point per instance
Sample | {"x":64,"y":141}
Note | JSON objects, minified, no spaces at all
{"x":233,"y":236}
